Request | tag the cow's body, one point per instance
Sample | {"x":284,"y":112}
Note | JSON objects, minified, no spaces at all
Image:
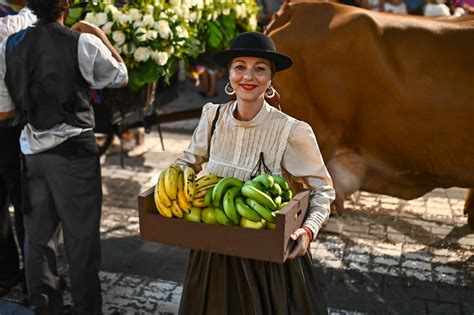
{"x":390,"y":97}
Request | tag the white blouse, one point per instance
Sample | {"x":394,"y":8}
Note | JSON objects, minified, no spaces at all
{"x":289,"y":148}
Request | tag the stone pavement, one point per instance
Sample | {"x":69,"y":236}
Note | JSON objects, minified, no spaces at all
{"x":383,"y":256}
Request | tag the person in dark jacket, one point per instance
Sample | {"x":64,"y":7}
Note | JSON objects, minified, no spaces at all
{"x":49,"y":71}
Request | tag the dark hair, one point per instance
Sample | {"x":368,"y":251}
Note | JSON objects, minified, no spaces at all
{"x":47,"y":10}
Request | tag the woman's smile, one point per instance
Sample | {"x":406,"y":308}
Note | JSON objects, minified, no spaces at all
{"x":248,"y":87}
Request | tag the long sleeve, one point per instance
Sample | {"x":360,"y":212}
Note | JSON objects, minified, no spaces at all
{"x":10,"y":24}
{"x":197,"y":152}
{"x":97,"y":65}
{"x":303,"y":161}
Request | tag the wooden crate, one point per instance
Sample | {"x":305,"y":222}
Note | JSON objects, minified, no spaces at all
{"x":268,"y":245}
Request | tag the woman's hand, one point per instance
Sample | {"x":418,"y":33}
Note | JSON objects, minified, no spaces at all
{"x":300,"y":236}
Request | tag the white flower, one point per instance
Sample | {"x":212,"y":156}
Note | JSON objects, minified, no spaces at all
{"x":150,"y":8}
{"x":240,"y":11}
{"x":90,"y":17}
{"x":111,"y":8}
{"x":170,"y":50}
{"x":118,"y":37}
{"x":134,"y":14}
{"x":226,"y":11}
{"x":181,"y":32}
{"x":160,"y":57}
{"x":175,"y":3}
{"x":193,"y":17}
{"x":186,"y":3}
{"x":138,"y":24}
{"x":163,"y":29}
{"x":107,"y":28}
{"x":178,"y":11}
{"x":120,"y":17}
{"x":118,"y":48}
{"x":185,"y":12}
{"x":215,"y":15}
{"x":128,"y":48}
{"x":141,"y":54}
{"x":253,"y":22}
{"x":151,"y":35}
{"x":101,"y":18}
{"x":140,"y":34}
{"x":148,"y":20}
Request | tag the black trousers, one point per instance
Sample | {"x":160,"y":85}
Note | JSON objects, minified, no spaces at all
{"x":66,"y":191}
{"x":10,"y":193}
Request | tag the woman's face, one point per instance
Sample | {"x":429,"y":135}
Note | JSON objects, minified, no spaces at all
{"x":250,"y":77}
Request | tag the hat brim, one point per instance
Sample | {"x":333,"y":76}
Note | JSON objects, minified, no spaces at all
{"x":281,"y":61}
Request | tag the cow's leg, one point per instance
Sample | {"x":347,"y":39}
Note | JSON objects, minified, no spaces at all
{"x":348,"y":171}
{"x":469,"y":208}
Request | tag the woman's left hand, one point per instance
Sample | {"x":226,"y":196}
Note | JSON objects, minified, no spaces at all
{"x":300,"y":236}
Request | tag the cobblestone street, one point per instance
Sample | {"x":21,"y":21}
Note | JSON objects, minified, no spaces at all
{"x":382,"y":256}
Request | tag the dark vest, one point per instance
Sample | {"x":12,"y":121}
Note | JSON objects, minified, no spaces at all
{"x":44,"y":79}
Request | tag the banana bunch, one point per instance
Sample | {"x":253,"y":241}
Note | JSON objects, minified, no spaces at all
{"x":251,"y":204}
{"x":175,"y":190}
{"x":261,"y":199}
{"x":226,"y":201}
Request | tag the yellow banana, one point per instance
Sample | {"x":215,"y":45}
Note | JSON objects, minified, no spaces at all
{"x":171,"y":181}
{"x":199,"y":202}
{"x":177,"y":212}
{"x":183,"y":203}
{"x":188,"y":178}
{"x":162,"y":209}
{"x":160,"y":191}
{"x":206,"y":181}
{"x":202,"y":192}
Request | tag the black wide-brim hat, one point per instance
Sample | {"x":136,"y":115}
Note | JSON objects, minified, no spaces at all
{"x":253,"y":44}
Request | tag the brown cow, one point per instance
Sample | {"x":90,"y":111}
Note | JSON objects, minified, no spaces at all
{"x":390,"y":97}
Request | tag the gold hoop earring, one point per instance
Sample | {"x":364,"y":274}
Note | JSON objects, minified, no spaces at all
{"x":270,"y":92}
{"x":229,"y":90}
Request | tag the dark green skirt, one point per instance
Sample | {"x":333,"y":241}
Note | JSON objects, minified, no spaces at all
{"x":220,"y":284}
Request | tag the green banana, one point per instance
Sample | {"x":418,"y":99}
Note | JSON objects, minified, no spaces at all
{"x":208,"y":215}
{"x":229,"y":204}
{"x":278,"y":201}
{"x":282,"y":205}
{"x":208,"y":198}
{"x":265,"y":179}
{"x":262,"y":198}
{"x":245,"y":211}
{"x":221,"y":217}
{"x":248,"y":224}
{"x":255,"y":184}
{"x":265,"y":213}
{"x":271,"y":226}
{"x":276,"y":190}
{"x":281,"y":181}
{"x":287,"y":195}
{"x":222,"y":186}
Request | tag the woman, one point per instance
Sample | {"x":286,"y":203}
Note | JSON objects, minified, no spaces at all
{"x":245,"y":128}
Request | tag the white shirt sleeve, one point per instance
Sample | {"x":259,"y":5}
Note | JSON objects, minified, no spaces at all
{"x":302,"y":159}
{"x":9,"y":25}
{"x":97,"y":65}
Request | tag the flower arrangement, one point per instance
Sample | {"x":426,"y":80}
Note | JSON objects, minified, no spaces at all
{"x":153,"y":36}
